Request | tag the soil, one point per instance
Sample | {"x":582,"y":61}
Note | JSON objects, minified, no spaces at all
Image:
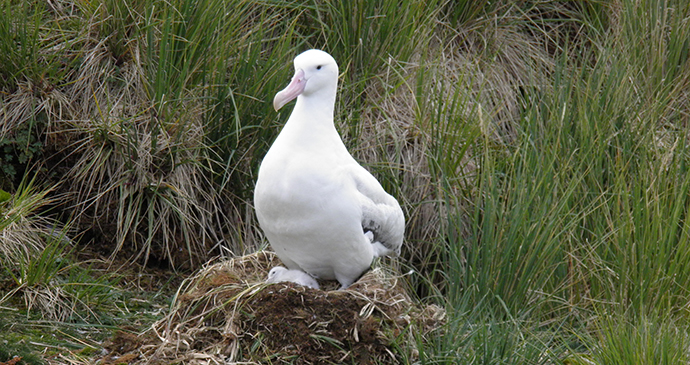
{"x":314,"y":326}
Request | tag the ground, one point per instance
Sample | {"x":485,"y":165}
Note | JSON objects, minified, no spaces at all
{"x":225,"y":313}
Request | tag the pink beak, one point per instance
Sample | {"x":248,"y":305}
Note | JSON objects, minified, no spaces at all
{"x":293,"y":90}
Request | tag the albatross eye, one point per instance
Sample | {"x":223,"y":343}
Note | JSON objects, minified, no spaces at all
{"x":318,"y":67}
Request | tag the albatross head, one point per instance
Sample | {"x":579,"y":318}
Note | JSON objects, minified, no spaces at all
{"x":275,"y":273}
{"x":315,"y":72}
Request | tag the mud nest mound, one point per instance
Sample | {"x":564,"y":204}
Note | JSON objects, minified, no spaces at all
{"x":226,"y":314}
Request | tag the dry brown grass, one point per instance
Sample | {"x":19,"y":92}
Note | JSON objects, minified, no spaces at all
{"x":32,"y":100}
{"x":138,"y":174}
{"x":148,"y":188}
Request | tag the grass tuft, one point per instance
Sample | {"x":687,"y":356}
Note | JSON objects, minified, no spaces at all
{"x":644,"y":340}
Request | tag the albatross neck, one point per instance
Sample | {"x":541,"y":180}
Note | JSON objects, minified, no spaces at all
{"x":314,"y":112}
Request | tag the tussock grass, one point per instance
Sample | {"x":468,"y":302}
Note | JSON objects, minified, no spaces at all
{"x":35,"y":260}
{"x":153,"y":186}
{"x":584,"y":194}
{"x":644,"y":340}
{"x":22,"y":229}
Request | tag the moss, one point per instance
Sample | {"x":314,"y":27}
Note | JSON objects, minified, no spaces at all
{"x":17,"y":345}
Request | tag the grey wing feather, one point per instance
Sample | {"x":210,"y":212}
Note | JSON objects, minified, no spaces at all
{"x":381,"y":214}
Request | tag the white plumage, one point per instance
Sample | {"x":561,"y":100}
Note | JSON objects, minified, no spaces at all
{"x":314,"y":202}
{"x":280,"y":274}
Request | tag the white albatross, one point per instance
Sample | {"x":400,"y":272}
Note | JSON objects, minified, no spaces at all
{"x":321,"y":211}
{"x":280,"y":274}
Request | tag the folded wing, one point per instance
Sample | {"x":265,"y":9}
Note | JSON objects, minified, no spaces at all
{"x":381,"y":213}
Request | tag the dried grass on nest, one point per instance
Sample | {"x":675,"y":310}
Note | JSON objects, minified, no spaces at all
{"x":226,"y":313}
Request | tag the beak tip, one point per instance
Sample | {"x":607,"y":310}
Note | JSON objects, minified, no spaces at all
{"x":294,"y":89}
{"x":277,"y":103}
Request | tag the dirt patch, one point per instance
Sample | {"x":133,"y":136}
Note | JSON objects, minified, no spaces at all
{"x":226,"y":313}
{"x":313,"y":327}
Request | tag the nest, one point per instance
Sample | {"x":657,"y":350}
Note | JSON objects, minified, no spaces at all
{"x":227,"y":314}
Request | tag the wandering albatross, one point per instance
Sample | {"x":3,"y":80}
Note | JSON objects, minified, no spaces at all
{"x":321,"y":211}
{"x":280,"y":274}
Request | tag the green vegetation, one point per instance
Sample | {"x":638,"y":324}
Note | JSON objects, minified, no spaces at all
{"x":539,"y":150}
